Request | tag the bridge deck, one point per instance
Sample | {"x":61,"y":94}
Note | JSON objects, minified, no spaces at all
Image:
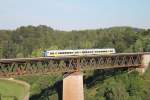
{"x":64,"y":57}
{"x":43,"y":65}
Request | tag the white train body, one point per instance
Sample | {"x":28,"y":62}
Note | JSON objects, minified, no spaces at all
{"x":78,"y":52}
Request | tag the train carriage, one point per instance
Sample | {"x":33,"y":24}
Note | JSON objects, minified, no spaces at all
{"x":78,"y":52}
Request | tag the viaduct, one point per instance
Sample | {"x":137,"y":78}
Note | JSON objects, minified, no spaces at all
{"x":73,"y":83}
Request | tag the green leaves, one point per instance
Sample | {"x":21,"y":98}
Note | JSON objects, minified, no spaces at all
{"x":123,"y":86}
{"x":30,"y":41}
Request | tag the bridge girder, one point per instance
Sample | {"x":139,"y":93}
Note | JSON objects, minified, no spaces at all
{"x":18,"y":67}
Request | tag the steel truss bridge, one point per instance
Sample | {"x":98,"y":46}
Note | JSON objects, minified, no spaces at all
{"x":46,"y":65}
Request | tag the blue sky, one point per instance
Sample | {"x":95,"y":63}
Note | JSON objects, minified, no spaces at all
{"x":74,"y":14}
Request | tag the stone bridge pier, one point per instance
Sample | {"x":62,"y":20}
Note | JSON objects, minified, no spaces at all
{"x":145,"y":63}
{"x":73,"y":86}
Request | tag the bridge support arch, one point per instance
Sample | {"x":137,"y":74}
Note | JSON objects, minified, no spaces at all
{"x":73,"y":86}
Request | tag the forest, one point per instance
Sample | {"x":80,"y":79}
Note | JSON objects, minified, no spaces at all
{"x":31,"y":41}
{"x":111,"y":84}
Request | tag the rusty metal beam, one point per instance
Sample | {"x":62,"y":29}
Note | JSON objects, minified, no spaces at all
{"x":43,"y":65}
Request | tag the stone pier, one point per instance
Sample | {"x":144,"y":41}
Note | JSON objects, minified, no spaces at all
{"x":73,"y":86}
{"x":145,"y":63}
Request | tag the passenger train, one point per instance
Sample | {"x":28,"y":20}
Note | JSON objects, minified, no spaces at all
{"x":78,"y":52}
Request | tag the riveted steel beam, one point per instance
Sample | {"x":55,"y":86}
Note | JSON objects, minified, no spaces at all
{"x":45,"y":65}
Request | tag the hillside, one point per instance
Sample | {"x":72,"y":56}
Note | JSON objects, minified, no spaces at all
{"x":111,"y":84}
{"x":107,"y":84}
{"x":31,"y":41}
{"x":13,"y":89}
{"x":120,"y":86}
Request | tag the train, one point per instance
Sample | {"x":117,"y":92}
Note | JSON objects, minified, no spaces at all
{"x":78,"y":52}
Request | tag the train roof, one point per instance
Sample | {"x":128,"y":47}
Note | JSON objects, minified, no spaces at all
{"x":79,"y":49}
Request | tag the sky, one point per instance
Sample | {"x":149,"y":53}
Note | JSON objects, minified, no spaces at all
{"x":74,"y":14}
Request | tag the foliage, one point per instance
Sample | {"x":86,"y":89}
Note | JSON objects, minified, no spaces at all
{"x":38,"y":83}
{"x":125,"y":86}
{"x":31,"y":41}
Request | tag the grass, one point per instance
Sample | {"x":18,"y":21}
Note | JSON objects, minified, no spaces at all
{"x":9,"y":90}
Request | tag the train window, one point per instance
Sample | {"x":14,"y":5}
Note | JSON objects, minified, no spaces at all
{"x":84,"y":51}
{"x":97,"y":51}
{"x":51,"y":53}
{"x":61,"y":52}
